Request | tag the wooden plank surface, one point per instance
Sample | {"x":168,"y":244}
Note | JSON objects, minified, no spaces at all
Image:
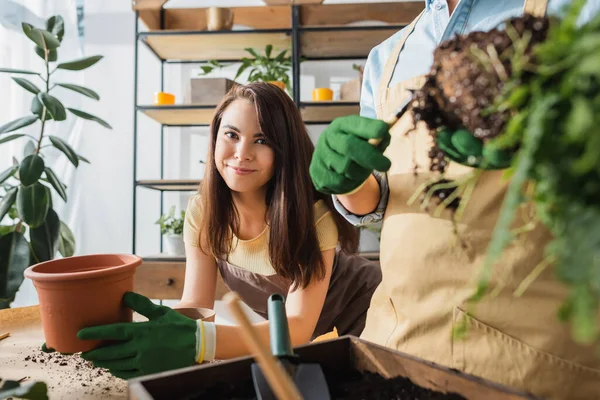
{"x":314,"y":112}
{"x":342,"y":43}
{"x":182,"y":116}
{"x":163,"y":280}
{"x":217,"y":46}
{"x":171,"y":184}
{"x":147,"y":4}
{"x":66,"y":379}
{"x":277,"y":17}
{"x":342,"y":14}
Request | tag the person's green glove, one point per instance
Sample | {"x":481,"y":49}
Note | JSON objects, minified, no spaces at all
{"x":344,"y":159}
{"x":167,"y":341}
{"x":462,"y":147}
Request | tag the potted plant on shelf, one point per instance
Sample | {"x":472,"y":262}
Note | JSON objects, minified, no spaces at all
{"x":171,"y":228}
{"x":264,"y":68}
{"x":34,"y":232}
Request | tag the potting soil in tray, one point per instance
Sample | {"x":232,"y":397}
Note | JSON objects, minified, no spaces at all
{"x":351,"y":386}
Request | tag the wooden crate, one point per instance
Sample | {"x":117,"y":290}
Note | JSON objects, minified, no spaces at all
{"x":335,"y":356}
{"x":209,"y":91}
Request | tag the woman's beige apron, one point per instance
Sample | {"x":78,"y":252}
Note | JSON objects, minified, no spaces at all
{"x":353,"y":281}
{"x":427,"y":277}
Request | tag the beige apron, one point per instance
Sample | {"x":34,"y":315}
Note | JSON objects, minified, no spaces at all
{"x":428,"y":276}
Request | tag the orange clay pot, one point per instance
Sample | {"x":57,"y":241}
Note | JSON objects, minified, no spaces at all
{"x":77,"y":292}
{"x":279,"y":84}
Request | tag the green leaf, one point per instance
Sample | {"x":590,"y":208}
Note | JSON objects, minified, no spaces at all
{"x":56,"y":183}
{"x":6,"y":229}
{"x":40,"y":37}
{"x":53,"y":106}
{"x":8,"y":173}
{"x":80,"y":89}
{"x":7,"y":202}
{"x":31,"y":169}
{"x":18,"y":123}
{"x":281,"y":56}
{"x":37,"y":108}
{"x":29,"y":148}
{"x":252,"y":51}
{"x":18,"y":71}
{"x":90,"y":117}
{"x":52,"y":54}
{"x":80,"y":64}
{"x":65,"y":148}
{"x":82,"y":158}
{"x":29,"y":390}
{"x":66,"y":244}
{"x":268,"y":50}
{"x":33,"y":203}
{"x":45,"y":238}
{"x":241,"y":70}
{"x":56,"y":25}
{"x":580,"y":120}
{"x":501,"y":235}
{"x":11,"y":137}
{"x":27,"y":85}
{"x":14,"y":259}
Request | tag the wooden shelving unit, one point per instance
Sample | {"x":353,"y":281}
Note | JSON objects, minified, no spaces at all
{"x":310,"y":31}
{"x":170,"y":185}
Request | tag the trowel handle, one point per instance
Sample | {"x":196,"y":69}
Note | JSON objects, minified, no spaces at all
{"x":392,"y":119}
{"x":278,"y":327}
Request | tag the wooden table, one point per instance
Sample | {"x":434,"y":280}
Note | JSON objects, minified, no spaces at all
{"x":67,"y":377}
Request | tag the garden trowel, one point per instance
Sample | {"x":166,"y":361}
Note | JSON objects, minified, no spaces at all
{"x":308,"y":377}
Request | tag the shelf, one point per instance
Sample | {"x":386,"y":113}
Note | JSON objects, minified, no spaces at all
{"x":180,"y":115}
{"x":205,"y":45}
{"x":317,"y":112}
{"x":161,"y":278}
{"x":323,"y":112}
{"x":327,"y":43}
{"x":170,"y":185}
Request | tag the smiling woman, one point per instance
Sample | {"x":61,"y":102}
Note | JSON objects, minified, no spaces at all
{"x":260,"y":223}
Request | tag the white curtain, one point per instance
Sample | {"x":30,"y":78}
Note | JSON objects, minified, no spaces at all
{"x":17,"y":51}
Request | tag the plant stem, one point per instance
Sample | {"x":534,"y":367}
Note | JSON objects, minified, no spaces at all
{"x":39,"y":145}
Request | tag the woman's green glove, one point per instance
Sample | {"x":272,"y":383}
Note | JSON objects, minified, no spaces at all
{"x":167,"y":341}
{"x":462,"y":147}
{"x":344,"y":159}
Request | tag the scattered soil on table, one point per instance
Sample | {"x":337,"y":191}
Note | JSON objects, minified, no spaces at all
{"x":351,"y":386}
{"x":70,"y":371}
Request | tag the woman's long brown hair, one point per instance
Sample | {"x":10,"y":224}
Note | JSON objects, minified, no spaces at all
{"x":293,"y":244}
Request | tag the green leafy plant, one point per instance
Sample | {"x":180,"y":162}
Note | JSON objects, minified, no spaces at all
{"x":558,"y":103}
{"x":170,"y":224}
{"x":210,"y":66}
{"x":25,"y":187}
{"x":29,"y":390}
{"x":541,"y":107}
{"x":264,"y":68}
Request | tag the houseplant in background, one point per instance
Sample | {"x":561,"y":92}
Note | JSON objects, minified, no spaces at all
{"x":171,"y":228}
{"x":264,"y":68}
{"x":35,"y":233}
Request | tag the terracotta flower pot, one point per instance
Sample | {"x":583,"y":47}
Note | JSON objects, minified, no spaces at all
{"x":279,"y":84}
{"x":78,"y":292}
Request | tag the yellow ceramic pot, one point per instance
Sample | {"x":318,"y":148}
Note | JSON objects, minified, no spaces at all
{"x":322,"y":94}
